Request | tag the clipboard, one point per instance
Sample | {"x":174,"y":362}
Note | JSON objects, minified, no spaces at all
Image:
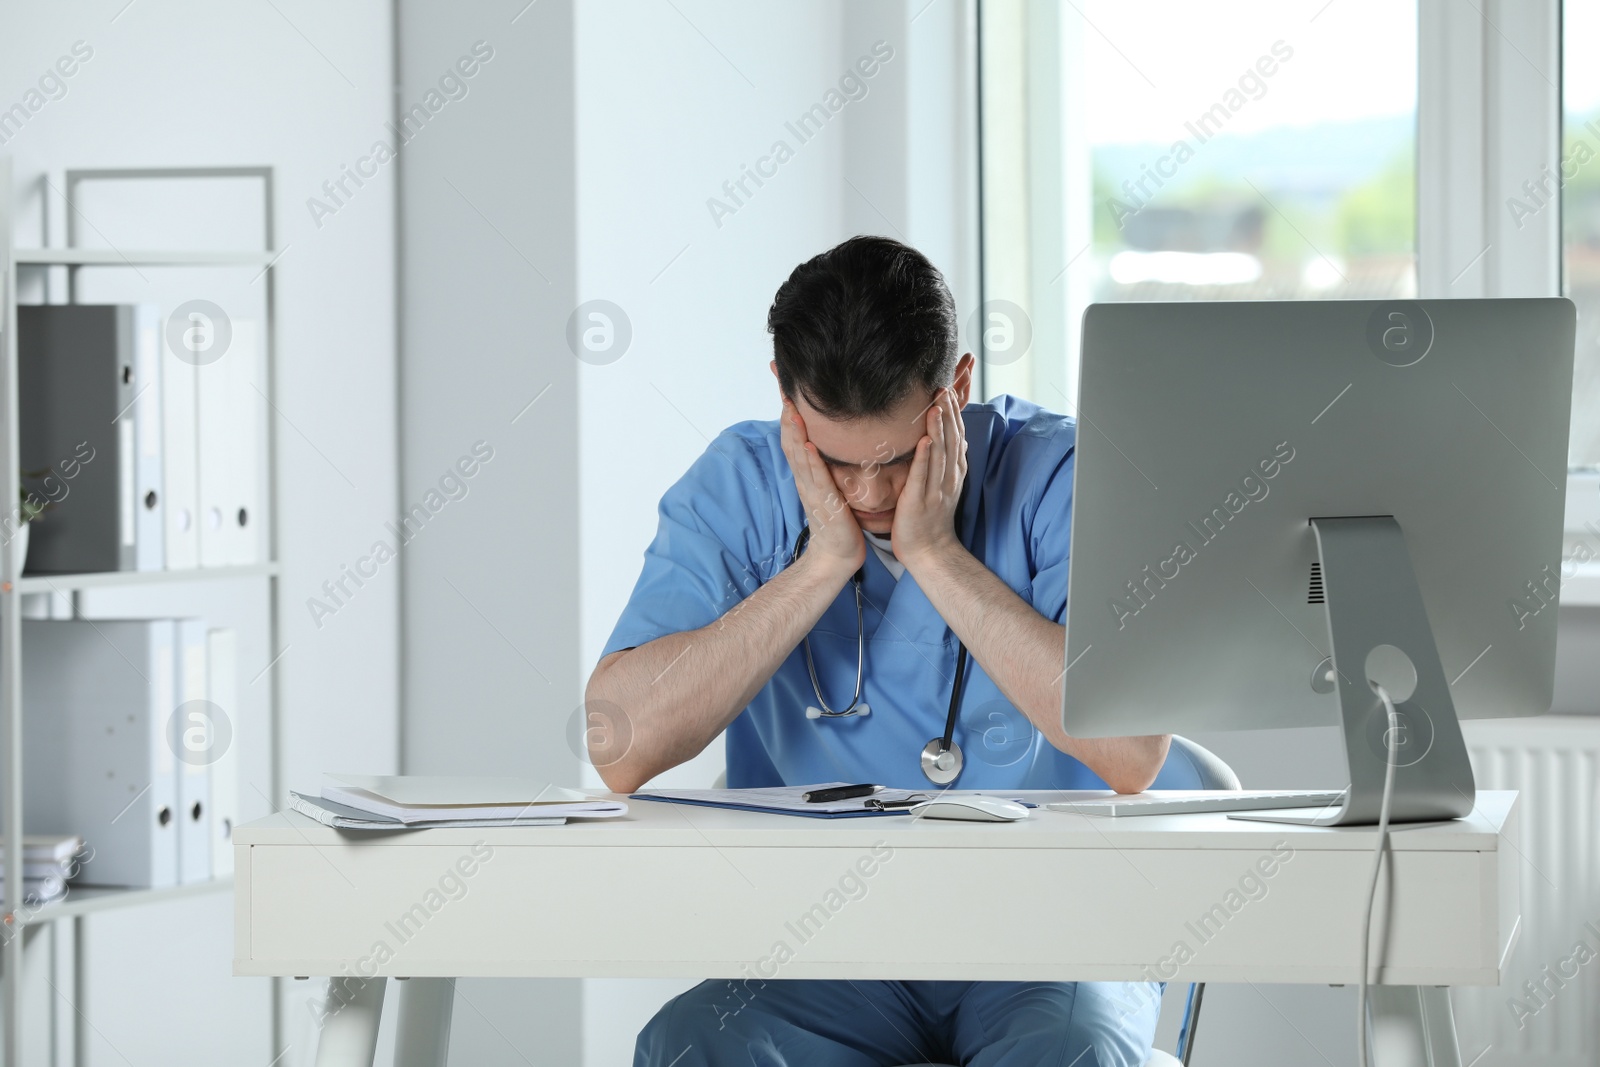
{"x":783,"y":800}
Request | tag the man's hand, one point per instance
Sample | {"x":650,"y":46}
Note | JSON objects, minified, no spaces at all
{"x":835,"y":534}
{"x":924,"y":517}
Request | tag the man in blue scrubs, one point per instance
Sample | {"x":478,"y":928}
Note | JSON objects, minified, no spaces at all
{"x":954,"y":520}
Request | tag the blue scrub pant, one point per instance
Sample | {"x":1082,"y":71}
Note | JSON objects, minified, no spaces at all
{"x":806,"y":1023}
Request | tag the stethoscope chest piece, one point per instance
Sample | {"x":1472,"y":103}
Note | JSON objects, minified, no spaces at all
{"x":940,"y":764}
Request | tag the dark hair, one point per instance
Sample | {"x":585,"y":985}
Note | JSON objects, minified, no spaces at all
{"x":855,"y":328}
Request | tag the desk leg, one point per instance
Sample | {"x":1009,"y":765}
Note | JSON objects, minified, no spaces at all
{"x":349,"y":1036}
{"x":423,"y":1035}
{"x":1412,"y":1026}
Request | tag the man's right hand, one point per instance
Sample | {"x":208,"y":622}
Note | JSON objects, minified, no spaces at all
{"x":835,"y":535}
{"x":678,"y":693}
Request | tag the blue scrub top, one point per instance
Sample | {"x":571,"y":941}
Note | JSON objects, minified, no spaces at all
{"x":730,"y":524}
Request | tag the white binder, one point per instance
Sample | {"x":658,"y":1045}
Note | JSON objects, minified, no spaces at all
{"x":96,"y":699}
{"x":191,"y":735}
{"x":231,"y":395}
{"x":181,"y":471}
{"x":222,"y":657}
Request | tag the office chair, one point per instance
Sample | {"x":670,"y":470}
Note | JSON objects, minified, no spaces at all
{"x":1188,"y":766}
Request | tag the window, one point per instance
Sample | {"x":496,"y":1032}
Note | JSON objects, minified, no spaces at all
{"x":1239,"y":153}
{"x":1580,"y":219}
{"x":1256,"y":166}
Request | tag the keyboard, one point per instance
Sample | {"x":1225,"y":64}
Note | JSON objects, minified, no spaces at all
{"x":1185,"y":801}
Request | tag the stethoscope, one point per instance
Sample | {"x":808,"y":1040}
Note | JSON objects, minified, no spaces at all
{"x":941,"y":758}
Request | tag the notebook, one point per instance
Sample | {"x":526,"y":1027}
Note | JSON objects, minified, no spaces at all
{"x":413,"y":799}
{"x":342,"y":817}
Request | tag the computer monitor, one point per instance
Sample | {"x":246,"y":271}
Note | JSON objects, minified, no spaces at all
{"x":1267,"y":492}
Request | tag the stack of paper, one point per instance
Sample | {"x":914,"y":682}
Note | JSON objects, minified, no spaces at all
{"x":47,"y":862}
{"x":414,"y":802}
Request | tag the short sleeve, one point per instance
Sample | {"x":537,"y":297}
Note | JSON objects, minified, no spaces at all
{"x":711,"y":549}
{"x":1049,"y":541}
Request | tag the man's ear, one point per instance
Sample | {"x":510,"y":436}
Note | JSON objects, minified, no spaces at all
{"x":962,"y":384}
{"x":773,"y":366}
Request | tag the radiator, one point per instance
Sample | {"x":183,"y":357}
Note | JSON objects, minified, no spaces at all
{"x":1554,"y":761}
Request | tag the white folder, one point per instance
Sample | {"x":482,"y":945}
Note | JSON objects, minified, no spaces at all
{"x":231,"y":397}
{"x":222,"y":657}
{"x":192,"y":737}
{"x":180,"y":461}
{"x":97,"y":697}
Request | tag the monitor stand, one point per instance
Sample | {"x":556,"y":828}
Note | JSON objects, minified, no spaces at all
{"x":1380,"y":631}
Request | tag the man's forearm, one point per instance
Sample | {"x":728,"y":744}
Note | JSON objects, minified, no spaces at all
{"x":1023,"y":652}
{"x":674,"y":695}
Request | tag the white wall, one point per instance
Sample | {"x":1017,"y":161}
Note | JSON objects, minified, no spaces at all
{"x":302,"y":87}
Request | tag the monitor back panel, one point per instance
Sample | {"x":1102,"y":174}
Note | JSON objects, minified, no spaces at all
{"x":1210,"y":433}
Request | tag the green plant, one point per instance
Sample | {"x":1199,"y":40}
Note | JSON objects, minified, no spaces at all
{"x":32,"y":505}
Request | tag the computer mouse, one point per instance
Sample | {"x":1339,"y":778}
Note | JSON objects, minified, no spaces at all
{"x":971,"y":809}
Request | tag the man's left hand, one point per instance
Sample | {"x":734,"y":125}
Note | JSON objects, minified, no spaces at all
{"x":924,"y":516}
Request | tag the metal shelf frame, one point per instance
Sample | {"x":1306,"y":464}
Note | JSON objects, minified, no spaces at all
{"x":63,"y":583}
{"x":113,"y":257}
{"x":13,"y":586}
{"x":89,"y":899}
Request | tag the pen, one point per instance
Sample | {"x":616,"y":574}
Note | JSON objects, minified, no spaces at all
{"x":839,"y":792}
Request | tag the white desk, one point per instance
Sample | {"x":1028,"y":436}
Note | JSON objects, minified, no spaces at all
{"x":691,"y":892}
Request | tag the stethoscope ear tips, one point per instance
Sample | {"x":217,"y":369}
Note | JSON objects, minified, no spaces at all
{"x":862,"y":709}
{"x":813,"y":713}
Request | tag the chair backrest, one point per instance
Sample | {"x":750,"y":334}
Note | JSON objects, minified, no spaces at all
{"x":1193,"y":766}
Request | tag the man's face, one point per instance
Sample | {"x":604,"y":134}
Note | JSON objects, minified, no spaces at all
{"x":871,"y":457}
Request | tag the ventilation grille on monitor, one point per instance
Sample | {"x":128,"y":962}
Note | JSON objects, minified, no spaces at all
{"x":1314,"y":591}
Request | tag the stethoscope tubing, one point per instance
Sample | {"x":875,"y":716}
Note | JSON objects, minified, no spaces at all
{"x":933,"y":754}
{"x":823,"y":710}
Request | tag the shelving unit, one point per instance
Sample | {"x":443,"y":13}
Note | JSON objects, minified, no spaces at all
{"x":84,"y":901}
